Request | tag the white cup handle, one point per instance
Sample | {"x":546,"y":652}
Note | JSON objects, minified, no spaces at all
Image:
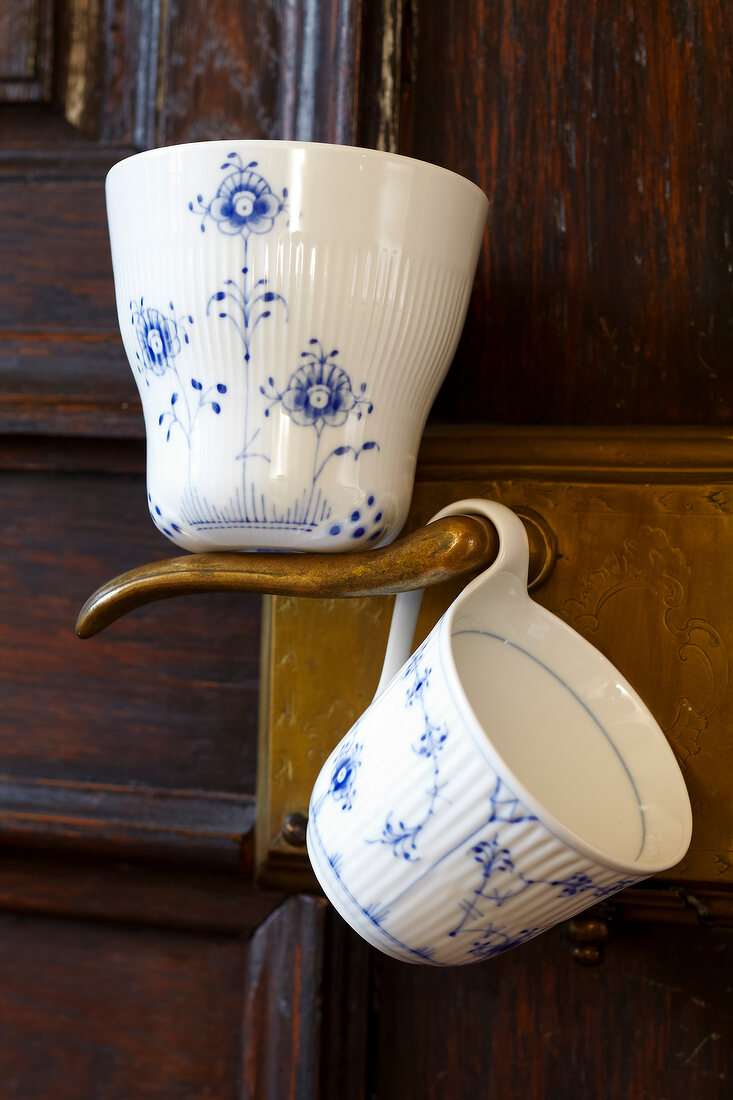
{"x":513,"y":557}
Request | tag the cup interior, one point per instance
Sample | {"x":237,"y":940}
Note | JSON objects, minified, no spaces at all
{"x":577,"y":742}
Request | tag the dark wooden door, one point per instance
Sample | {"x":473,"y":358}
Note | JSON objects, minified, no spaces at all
{"x":137,"y":959}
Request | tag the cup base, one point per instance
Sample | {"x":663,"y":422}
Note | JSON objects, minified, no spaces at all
{"x":190,"y":521}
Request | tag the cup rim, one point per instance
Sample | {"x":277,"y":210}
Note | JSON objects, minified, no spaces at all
{"x":636,"y":869}
{"x":355,"y":151}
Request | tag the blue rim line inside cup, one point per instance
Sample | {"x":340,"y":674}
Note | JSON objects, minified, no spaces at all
{"x":588,"y":711}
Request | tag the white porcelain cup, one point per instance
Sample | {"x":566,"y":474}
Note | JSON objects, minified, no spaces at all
{"x":289,"y":311}
{"x":506,"y":778}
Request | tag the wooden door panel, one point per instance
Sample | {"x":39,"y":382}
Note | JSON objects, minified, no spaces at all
{"x":54,"y":258}
{"x":283,"y":70}
{"x":26,"y":50}
{"x":114,"y":1013}
{"x":222,"y":72}
{"x":654,"y":1019}
{"x":90,"y":65}
{"x":94,"y":1010}
{"x":154,"y":886}
{"x":168,"y":700}
{"x":66,"y":385}
{"x":601,"y":136}
{"x":98,"y":81}
{"x":127,"y":762}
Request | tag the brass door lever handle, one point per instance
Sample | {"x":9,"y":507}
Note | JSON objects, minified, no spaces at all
{"x":447,"y":549}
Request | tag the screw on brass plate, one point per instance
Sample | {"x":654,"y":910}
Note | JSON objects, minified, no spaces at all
{"x":293,"y":830}
{"x":588,"y":935}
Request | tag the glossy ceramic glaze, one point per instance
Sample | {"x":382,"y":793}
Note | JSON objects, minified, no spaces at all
{"x":289,"y":311}
{"x":505,"y":778}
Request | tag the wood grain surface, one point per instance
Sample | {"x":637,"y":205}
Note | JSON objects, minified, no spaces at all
{"x":281,"y":1024}
{"x":651,"y":1021}
{"x":273,"y":71}
{"x":169,"y":699}
{"x":95,"y":1011}
{"x":601,"y":134}
{"x":132,"y":890}
{"x":26,"y":51}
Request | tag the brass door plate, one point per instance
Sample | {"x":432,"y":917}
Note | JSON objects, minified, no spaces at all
{"x":643,"y":521}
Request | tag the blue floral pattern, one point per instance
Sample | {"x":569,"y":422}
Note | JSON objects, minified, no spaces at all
{"x":400,"y":836}
{"x":158,"y":338}
{"x":185,"y":406}
{"x":342,"y":787}
{"x":366,"y":521}
{"x":490,"y":918}
{"x":375,"y":913}
{"x":500,"y":882}
{"x":159,"y":345}
{"x":165,"y":526}
{"x":575,"y":884}
{"x":490,"y":941}
{"x":244,"y":203}
{"x":318,"y":394}
{"x":506,"y":807}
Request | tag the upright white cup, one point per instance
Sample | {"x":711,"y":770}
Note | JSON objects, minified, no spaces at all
{"x":289,"y":311}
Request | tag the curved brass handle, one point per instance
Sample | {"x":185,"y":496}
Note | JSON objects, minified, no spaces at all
{"x":448,"y":549}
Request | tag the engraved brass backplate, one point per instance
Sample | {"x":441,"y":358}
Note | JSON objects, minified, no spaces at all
{"x":644,"y":527}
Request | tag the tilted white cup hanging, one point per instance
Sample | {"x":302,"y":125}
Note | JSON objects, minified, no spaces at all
{"x":505,"y":778}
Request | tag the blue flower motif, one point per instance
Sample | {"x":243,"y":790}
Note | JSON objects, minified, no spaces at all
{"x":403,"y":838}
{"x":244,"y":204}
{"x":576,"y":884}
{"x":343,"y":775}
{"x":418,"y":681}
{"x":495,"y":941}
{"x":492,"y":856}
{"x":157,"y":338}
{"x":319,"y":393}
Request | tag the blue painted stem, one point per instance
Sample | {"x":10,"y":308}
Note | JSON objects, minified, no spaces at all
{"x":315,"y":476}
{"x":246,"y":335}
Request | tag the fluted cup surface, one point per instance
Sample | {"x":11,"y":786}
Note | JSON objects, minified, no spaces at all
{"x":505,"y":777}
{"x":289,"y":311}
